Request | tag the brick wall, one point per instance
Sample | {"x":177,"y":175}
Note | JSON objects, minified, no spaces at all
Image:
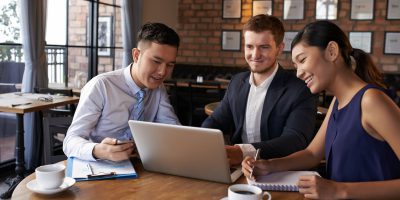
{"x":200,"y":25}
{"x":77,"y":35}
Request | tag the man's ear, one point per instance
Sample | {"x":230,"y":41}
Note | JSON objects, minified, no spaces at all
{"x":281,"y":46}
{"x":332,"y":51}
{"x":135,"y":54}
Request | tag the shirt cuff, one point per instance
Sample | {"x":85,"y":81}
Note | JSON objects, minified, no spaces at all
{"x":247,"y":150}
{"x":88,"y":152}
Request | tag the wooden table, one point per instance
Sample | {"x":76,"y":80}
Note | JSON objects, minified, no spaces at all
{"x":20,"y":110}
{"x":185,"y":83}
{"x":149,"y":185}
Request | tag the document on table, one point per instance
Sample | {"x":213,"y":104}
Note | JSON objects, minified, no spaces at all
{"x":82,"y":170}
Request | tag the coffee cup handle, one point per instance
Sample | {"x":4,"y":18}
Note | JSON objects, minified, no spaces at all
{"x":267,"y":194}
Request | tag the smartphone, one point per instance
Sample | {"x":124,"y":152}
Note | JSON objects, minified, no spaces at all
{"x":124,"y":141}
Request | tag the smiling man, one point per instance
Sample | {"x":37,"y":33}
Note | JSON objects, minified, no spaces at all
{"x":268,"y":108}
{"x":136,"y":92}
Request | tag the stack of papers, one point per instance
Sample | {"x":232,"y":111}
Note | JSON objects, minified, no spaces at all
{"x":82,"y":170}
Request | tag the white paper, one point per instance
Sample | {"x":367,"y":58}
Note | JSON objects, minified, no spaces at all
{"x":361,"y":40}
{"x":231,"y":40}
{"x":392,"y":43}
{"x":362,"y":9}
{"x":289,"y":36}
{"x":80,"y":169}
{"x":232,"y":8}
{"x":393,"y":9}
{"x":262,"y":7}
{"x":293,"y":9}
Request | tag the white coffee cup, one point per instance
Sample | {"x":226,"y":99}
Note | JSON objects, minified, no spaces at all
{"x":246,"y":192}
{"x":50,"y":176}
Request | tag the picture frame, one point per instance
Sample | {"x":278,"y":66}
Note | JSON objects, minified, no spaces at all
{"x":362,"y":9}
{"x":262,"y":7}
{"x":104,"y":35}
{"x":392,"y":43}
{"x":326,"y":9}
{"x":231,"y":40}
{"x":393,"y":10}
{"x":293,"y":9}
{"x":361,"y":40}
{"x":287,"y":39}
{"x":232,"y":9}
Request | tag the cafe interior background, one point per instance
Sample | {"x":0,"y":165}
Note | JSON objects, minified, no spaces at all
{"x":211,"y":46}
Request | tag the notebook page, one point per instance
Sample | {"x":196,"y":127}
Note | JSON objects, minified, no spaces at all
{"x":280,"y":181}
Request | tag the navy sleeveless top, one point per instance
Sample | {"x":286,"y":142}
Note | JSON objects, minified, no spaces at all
{"x":353,"y":155}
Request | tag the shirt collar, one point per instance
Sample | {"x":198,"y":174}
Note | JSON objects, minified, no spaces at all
{"x":266,"y":82}
{"x":129,"y":80}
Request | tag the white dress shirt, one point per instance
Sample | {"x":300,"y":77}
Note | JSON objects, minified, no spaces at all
{"x":252,"y":122}
{"x":104,"y":109}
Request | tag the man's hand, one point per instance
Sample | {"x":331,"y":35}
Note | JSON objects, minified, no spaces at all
{"x":235,"y":155}
{"x":109,"y":149}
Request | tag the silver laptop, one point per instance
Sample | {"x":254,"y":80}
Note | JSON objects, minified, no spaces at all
{"x":184,"y":151}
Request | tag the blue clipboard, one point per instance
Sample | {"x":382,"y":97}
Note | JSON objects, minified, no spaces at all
{"x":113,"y":170}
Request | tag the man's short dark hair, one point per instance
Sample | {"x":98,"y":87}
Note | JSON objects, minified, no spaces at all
{"x":261,"y":23}
{"x":158,"y":33}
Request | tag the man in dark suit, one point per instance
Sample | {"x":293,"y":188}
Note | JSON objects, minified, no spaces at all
{"x":268,"y":108}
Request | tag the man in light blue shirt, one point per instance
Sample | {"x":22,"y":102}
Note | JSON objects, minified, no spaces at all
{"x":109,"y":100}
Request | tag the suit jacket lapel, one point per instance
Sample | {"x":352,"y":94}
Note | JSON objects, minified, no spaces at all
{"x":244,"y":88}
{"x":275,"y":91}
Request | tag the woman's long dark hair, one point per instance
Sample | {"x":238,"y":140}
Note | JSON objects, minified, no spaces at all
{"x":320,"y":33}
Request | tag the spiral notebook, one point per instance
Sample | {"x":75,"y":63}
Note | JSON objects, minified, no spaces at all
{"x":280,"y":181}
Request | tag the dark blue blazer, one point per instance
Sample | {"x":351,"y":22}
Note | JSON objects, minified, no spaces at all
{"x":287,"y":119}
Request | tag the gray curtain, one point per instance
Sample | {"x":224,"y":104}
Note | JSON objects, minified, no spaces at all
{"x":33,"y":22}
{"x":131,"y":16}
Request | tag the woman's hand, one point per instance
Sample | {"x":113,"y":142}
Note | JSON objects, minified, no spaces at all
{"x":315,"y":187}
{"x":252,"y":168}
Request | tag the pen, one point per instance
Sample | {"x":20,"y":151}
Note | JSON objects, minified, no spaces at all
{"x":255,"y":158}
{"x":90,"y":169}
{"x":102,"y":175}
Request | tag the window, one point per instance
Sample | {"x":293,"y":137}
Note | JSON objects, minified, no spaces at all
{"x":11,"y":70}
{"x":73,"y":55}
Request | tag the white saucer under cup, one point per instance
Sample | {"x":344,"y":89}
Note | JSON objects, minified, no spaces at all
{"x":34,"y":187}
{"x":50,"y":176}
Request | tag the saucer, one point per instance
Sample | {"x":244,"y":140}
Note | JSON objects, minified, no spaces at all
{"x":225,"y":198}
{"x":34,"y":187}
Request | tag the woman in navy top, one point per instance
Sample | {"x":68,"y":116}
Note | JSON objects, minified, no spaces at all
{"x":359,"y":138}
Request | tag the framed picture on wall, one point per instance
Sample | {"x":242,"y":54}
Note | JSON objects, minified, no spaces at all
{"x":262,"y":7}
{"x":362,"y":9}
{"x":326,"y":9}
{"x":231,"y":9}
{"x":104,"y":35}
{"x":392,"y":43}
{"x":293,"y":9}
{"x":231,"y":40}
{"x":393,"y":9}
{"x":287,"y":39}
{"x":361,"y":40}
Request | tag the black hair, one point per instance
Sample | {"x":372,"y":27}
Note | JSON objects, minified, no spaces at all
{"x":158,"y":33}
{"x":320,"y":33}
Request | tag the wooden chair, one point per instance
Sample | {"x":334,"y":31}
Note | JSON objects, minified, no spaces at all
{"x":55,"y":125}
{"x":54,"y":131}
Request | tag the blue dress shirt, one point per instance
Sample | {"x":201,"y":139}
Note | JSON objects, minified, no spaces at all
{"x":104,"y":109}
